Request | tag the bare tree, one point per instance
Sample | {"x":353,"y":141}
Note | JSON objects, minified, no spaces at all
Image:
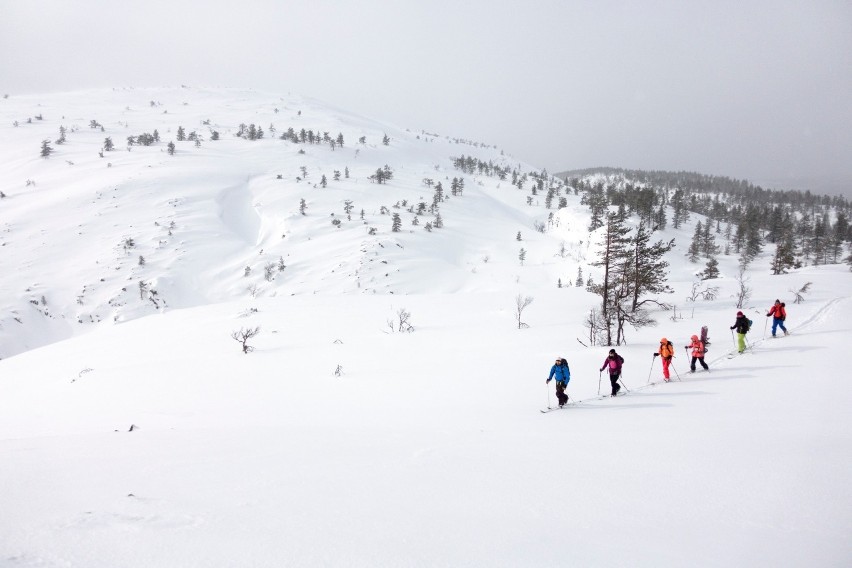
{"x":521,"y":302}
{"x":744,"y":290}
{"x":404,"y":317}
{"x":243,"y":335}
{"x":593,"y":324}
{"x":800,"y":293}
{"x":402,"y":323}
{"x":703,"y":291}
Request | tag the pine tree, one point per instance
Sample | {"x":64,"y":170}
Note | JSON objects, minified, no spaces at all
{"x":695,"y":245}
{"x":598,"y":203}
{"x":171,"y":148}
{"x":439,"y":194}
{"x":522,"y":256}
{"x":302,"y":207}
{"x":838,"y":236}
{"x":46,"y":149}
{"x":181,"y":134}
{"x":660,"y":218}
{"x":396,"y":223}
{"x":785,"y":247}
{"x":819,"y":241}
{"x":681,"y":213}
{"x":711,"y":269}
{"x":612,"y":259}
{"x":708,"y":240}
{"x":784,"y":257}
{"x":649,"y":269}
{"x":804,"y":233}
{"x":108,"y":145}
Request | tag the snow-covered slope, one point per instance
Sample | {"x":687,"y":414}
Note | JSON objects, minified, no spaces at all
{"x":154,"y":441}
{"x":75,"y":225}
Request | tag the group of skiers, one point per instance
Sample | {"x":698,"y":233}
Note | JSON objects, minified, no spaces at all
{"x":613,"y":363}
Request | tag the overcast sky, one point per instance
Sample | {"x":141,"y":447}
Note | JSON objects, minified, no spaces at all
{"x":755,"y":90}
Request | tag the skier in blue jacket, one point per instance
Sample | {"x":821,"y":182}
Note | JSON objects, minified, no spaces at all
{"x":562,"y":374}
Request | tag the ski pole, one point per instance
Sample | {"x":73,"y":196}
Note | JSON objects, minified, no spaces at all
{"x":653,"y":358}
{"x":622,"y":383}
{"x":547,"y":388}
{"x":675,"y":369}
{"x":765,"y":322}
{"x":599,"y":382}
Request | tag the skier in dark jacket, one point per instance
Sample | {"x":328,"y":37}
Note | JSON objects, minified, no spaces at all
{"x":614,"y":361}
{"x":562,"y":374}
{"x":742,"y":326}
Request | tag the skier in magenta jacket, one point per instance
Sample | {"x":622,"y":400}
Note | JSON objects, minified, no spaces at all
{"x":614,"y":361}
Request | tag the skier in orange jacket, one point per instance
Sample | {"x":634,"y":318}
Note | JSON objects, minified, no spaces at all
{"x":666,"y":353}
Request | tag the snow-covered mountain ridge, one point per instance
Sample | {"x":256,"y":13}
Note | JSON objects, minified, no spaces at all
{"x":90,"y":235}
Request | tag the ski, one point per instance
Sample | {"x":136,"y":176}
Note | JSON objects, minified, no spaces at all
{"x":552,"y":408}
{"x":748,"y":351}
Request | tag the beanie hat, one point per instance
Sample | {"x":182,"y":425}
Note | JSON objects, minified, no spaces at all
{"x":694,"y":338}
{"x":739,"y":313}
{"x":663,"y":340}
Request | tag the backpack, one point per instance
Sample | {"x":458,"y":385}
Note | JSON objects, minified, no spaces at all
{"x":670,"y":348}
{"x":564,"y":363}
{"x":748,"y":326}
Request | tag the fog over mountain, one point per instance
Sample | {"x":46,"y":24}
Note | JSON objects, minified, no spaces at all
{"x":756,"y":90}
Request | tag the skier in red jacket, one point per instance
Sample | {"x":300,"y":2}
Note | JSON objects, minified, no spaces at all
{"x":779,"y":314}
